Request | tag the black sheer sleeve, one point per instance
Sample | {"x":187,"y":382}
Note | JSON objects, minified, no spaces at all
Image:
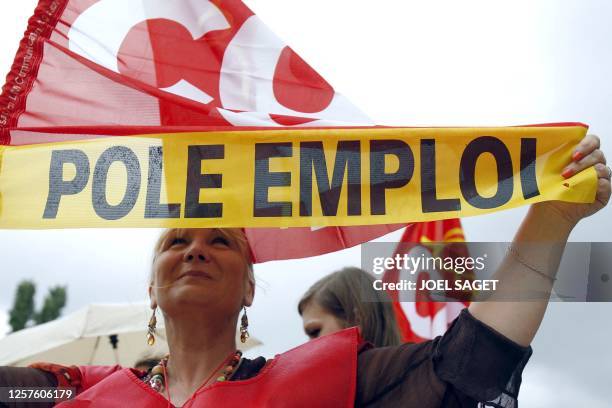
{"x":481,"y":363}
{"x":470,"y":366}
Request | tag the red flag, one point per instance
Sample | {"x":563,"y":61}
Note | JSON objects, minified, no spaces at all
{"x":87,"y":68}
{"x":421,"y":318}
{"x":155,"y":63}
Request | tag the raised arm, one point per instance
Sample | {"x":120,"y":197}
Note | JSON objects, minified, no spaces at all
{"x":535,"y":254}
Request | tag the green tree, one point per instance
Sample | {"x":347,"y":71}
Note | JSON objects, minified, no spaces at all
{"x":23,"y":306}
{"x":52,"y":305}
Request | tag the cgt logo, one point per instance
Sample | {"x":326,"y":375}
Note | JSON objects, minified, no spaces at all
{"x":189,"y":48}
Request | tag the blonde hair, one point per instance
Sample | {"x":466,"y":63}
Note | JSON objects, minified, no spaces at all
{"x":234,"y":235}
{"x":339,"y":294}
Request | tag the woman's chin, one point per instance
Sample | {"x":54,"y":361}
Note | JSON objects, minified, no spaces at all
{"x":190,"y":293}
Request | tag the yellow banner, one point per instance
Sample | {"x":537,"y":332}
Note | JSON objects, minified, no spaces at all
{"x":287,"y":178}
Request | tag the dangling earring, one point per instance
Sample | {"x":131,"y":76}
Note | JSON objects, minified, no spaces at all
{"x":244,"y":325}
{"x":151,"y":329}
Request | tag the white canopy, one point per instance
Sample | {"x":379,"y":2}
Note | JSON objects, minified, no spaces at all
{"x":84,"y":338}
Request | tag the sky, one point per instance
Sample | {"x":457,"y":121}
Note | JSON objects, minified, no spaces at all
{"x":403,"y":62}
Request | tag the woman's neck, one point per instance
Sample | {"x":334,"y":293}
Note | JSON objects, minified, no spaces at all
{"x":198,"y":345}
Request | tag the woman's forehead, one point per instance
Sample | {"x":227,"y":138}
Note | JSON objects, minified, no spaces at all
{"x":235,"y":235}
{"x":232,"y":232}
{"x":313,"y":311}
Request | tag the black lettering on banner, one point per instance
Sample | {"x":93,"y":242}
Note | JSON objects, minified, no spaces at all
{"x":100,"y":203}
{"x":264,"y":179}
{"x":57,"y":186}
{"x":467,"y":180}
{"x":348,"y":158}
{"x":529,"y":182}
{"x":429,"y":197}
{"x":197,"y":181}
{"x":381,"y":181}
{"x":153,"y":208}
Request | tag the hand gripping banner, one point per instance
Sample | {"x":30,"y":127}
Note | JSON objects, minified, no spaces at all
{"x":288,"y":178}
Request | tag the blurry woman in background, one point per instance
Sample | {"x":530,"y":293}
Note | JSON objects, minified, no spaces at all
{"x":336,"y":302}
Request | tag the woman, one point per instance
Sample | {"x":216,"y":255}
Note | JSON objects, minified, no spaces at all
{"x":334,"y":303}
{"x":202,"y":279}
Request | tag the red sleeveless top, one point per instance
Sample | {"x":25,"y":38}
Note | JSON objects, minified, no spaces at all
{"x":321,"y":373}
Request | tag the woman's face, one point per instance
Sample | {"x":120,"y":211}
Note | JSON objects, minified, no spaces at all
{"x":318,"y":321}
{"x":203,"y":267}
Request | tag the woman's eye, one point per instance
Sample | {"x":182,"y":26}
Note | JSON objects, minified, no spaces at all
{"x":220,"y":241}
{"x":177,"y":241}
{"x":313,"y":333}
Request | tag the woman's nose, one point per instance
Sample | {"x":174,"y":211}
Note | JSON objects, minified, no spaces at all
{"x":195,"y":252}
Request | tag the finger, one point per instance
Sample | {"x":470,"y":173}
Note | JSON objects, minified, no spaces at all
{"x":603,"y":171}
{"x":594,"y":158}
{"x":604,"y":189}
{"x":586,"y":146}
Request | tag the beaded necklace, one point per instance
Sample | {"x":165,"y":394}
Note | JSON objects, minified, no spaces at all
{"x":157,"y":377}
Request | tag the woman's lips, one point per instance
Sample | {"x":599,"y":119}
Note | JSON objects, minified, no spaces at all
{"x":195,"y":274}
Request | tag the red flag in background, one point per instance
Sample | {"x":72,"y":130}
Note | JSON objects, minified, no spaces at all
{"x":87,"y":68}
{"x":420,"y":318}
